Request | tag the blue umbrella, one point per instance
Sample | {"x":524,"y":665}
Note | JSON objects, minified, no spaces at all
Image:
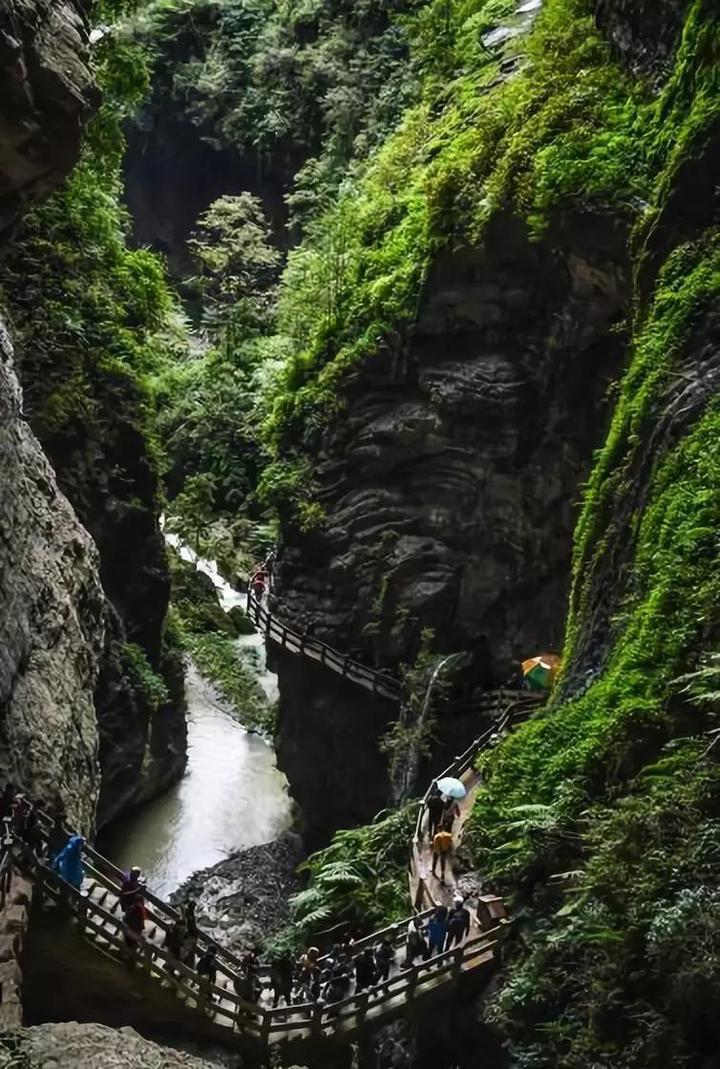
{"x":452,"y":787}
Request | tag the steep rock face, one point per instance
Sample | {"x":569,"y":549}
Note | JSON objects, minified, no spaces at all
{"x":327,"y":746}
{"x":65,"y":691}
{"x":450,"y":484}
{"x":47,"y":92}
{"x":691,"y":209}
{"x":53,"y":612}
{"x":106,"y":471}
{"x":643,"y":32}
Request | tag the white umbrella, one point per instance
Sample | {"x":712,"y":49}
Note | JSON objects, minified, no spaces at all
{"x":452,"y":787}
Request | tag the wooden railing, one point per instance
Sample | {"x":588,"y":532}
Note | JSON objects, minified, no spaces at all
{"x":106,"y":930}
{"x":96,"y":910}
{"x":377,"y":682}
{"x":516,"y":706}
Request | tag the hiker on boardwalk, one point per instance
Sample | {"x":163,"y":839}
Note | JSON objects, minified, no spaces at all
{"x":206,"y":969}
{"x":338,"y":986}
{"x":442,"y":845}
{"x":458,"y":923}
{"x":282,"y":972}
{"x":68,"y":863}
{"x":7,"y":800}
{"x":450,"y":813}
{"x":57,"y":836}
{"x":130,"y":887}
{"x":26,"y":824}
{"x":247,"y":982}
{"x":416,"y":946}
{"x":173,"y":943}
{"x":308,"y":972}
{"x":435,"y":807}
{"x":134,"y":918}
{"x":384,"y":957}
{"x":365,"y":974}
{"x":258,"y":583}
{"x":437,"y":930}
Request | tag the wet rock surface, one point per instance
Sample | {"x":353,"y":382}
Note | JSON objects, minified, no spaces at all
{"x":46,"y":92}
{"x":451,"y":483}
{"x":70,"y":1045}
{"x":53,"y":615}
{"x":243,"y":900}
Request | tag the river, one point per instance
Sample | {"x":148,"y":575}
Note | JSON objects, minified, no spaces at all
{"x":232,"y":795}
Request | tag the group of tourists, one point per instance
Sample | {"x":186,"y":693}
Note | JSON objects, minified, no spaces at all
{"x":61,"y":851}
{"x":326,"y":979}
{"x":444,"y":929}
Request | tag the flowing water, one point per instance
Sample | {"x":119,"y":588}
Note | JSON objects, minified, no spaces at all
{"x":232,"y":795}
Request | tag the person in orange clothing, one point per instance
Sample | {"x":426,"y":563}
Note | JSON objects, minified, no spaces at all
{"x":442,"y":845}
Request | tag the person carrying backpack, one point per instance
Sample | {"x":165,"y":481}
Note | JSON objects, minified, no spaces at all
{"x":458,"y":923}
{"x":416,"y":947}
{"x":442,"y":845}
{"x":435,"y":808}
{"x":206,"y":969}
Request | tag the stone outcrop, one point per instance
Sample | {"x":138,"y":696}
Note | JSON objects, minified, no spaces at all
{"x":643,"y":33}
{"x":53,"y":621}
{"x":70,"y":1045}
{"x":47,"y":92}
{"x":326,"y":742}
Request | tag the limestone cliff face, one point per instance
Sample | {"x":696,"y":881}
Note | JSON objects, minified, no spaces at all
{"x":51,"y":603}
{"x":53,"y":620}
{"x":72,"y":723}
{"x":450,"y":485}
{"x":47,"y":92}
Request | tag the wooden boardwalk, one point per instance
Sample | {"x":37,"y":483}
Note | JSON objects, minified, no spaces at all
{"x":95,"y":911}
{"x":384,"y":684}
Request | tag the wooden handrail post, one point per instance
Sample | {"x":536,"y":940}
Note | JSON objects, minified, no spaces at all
{"x":362,"y":1008}
{"x":82,"y":912}
{"x":412,"y":980}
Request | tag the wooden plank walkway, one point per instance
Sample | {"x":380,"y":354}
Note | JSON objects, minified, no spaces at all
{"x":95,"y":910}
{"x":384,"y":684}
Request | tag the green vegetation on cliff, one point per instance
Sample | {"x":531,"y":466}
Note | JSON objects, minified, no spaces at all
{"x":613,"y":791}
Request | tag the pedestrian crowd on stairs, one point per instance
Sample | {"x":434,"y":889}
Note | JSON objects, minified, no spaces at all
{"x":347,"y":969}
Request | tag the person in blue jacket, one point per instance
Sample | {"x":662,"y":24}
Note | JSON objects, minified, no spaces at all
{"x":437,"y":930}
{"x":68,"y":863}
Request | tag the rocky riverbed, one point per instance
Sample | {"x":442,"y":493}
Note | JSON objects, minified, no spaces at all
{"x":244,"y":899}
{"x":93,"y":1046}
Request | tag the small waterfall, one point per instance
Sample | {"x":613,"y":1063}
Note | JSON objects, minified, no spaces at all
{"x":405,"y":772}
